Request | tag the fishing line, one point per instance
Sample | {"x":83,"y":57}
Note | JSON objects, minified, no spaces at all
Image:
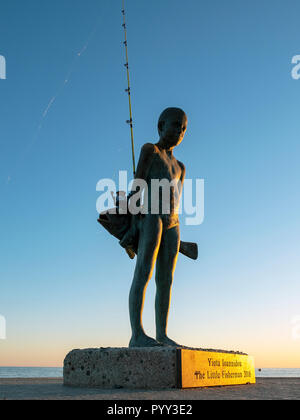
{"x":128,"y":90}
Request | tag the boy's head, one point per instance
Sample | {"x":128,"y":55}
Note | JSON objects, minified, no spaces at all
{"x":172,"y":126}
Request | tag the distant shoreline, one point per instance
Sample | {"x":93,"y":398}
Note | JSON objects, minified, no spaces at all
{"x":19,"y":372}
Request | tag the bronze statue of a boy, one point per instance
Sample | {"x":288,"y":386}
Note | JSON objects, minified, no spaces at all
{"x":159,"y":236}
{"x":153,"y":235}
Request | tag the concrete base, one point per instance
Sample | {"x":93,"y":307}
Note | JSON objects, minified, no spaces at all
{"x":110,"y":368}
{"x":156,"y":367}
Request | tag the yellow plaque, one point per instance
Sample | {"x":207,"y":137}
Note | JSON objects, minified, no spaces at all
{"x":211,"y":368}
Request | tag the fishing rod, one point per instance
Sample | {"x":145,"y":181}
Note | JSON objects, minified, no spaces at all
{"x":128,"y":90}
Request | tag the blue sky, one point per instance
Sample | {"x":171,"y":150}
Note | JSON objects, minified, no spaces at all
{"x":64,"y":281}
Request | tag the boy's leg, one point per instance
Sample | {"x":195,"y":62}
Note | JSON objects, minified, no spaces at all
{"x":149,"y":242}
{"x":165,"y":267}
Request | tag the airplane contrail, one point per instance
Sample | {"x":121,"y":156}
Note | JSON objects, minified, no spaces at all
{"x":53,"y":99}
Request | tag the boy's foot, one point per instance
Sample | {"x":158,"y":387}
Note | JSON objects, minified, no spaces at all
{"x":166,"y":341}
{"x":143,"y":341}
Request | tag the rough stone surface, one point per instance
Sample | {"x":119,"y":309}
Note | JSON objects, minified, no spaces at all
{"x":109,"y":368}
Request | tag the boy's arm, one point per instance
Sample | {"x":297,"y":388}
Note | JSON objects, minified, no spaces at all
{"x":182,"y":176}
{"x":145,"y":160}
{"x":144,"y":163}
{"x":189,"y":249}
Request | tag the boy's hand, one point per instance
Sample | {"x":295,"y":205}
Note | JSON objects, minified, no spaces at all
{"x":130,"y":195}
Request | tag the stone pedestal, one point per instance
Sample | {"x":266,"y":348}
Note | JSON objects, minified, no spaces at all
{"x":156,"y":367}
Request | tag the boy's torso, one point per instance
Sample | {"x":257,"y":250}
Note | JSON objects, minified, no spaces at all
{"x":164,"y":166}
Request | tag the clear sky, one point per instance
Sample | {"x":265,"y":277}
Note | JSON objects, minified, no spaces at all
{"x":64,"y":280}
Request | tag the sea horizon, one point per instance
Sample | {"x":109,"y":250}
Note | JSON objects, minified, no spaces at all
{"x":23,"y":372}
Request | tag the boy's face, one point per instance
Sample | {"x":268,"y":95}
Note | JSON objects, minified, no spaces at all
{"x":172,"y":130}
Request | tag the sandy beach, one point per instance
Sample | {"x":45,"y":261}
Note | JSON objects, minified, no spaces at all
{"x":53,"y":389}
